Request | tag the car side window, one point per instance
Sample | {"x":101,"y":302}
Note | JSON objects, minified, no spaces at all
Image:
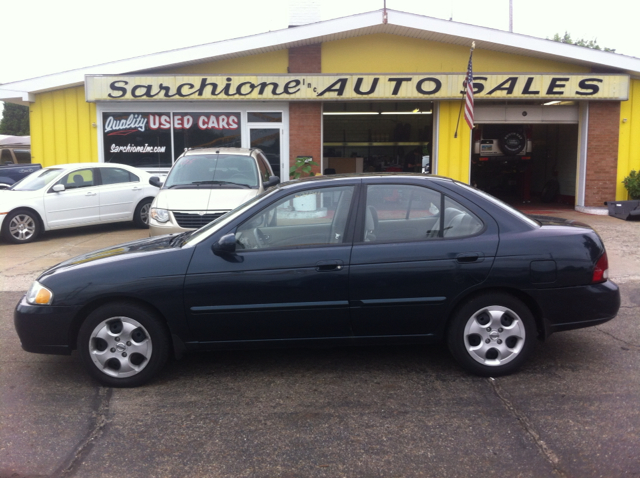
{"x":83,"y":178}
{"x":310,"y":218}
{"x":406,"y":213}
{"x":5,"y":156}
{"x":459,"y":221}
{"x":264,"y":170}
{"x":116,"y":176}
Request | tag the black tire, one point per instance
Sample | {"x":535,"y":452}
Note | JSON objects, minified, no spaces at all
{"x":512,"y":143}
{"x":21,"y":227}
{"x":502,"y":320}
{"x":123,"y":345}
{"x":141,"y":214}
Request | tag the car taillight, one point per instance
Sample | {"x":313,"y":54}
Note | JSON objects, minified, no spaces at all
{"x":601,"y":271}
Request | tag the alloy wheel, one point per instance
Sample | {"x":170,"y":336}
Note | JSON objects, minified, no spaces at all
{"x":494,"y":335}
{"x":120,"y":347}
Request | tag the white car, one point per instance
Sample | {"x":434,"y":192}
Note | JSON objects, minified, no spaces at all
{"x":205,"y":184}
{"x":71,"y":195}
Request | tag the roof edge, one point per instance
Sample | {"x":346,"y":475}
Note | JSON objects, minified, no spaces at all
{"x":23,"y":91}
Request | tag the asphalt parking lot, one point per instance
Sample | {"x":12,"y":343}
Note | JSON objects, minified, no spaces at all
{"x":572,"y":411}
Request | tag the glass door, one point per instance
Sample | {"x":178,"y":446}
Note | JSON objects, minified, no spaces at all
{"x":268,"y":140}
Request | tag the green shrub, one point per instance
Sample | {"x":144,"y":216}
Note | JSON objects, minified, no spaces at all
{"x":632,"y":183}
{"x":302,"y":167}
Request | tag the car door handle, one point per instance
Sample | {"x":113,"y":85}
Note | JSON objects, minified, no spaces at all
{"x":469,"y":257}
{"x":90,"y":194}
{"x":328,"y":266}
{"x":136,"y":189}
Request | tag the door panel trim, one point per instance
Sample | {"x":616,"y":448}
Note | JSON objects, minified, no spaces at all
{"x":286,"y":305}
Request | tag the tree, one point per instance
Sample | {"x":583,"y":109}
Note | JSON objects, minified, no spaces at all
{"x":566,"y":38}
{"x":15,"y":120}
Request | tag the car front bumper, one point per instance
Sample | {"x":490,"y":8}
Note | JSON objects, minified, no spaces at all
{"x":45,"y":329}
{"x":160,"y":229}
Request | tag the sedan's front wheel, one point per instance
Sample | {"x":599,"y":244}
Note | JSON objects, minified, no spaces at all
{"x":123,"y":345}
{"x":492,"y":334}
{"x":21,"y":227}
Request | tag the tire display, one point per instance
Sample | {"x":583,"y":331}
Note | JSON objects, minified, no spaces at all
{"x":512,"y":143}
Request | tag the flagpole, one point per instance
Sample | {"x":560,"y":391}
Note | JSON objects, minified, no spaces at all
{"x":464,"y":92}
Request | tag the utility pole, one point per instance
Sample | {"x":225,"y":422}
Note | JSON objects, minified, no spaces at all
{"x":511,"y":16}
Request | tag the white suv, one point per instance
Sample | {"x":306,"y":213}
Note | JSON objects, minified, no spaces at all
{"x":204,"y":184}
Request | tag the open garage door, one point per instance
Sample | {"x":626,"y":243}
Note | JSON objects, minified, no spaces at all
{"x":526,"y":153}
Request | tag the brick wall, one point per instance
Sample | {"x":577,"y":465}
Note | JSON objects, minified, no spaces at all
{"x":305,"y":59}
{"x":305,"y":117}
{"x":602,"y":152}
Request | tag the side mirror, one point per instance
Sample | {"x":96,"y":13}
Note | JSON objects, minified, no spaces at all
{"x":273,"y":180}
{"x":58,"y":188}
{"x":155,"y":181}
{"x":225,"y":245}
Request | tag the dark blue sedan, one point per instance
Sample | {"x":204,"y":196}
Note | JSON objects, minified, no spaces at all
{"x":353,"y":259}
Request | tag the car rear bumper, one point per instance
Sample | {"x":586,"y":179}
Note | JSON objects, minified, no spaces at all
{"x":577,"y":307}
{"x":45,"y":329}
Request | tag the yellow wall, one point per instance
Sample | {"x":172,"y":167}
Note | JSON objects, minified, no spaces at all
{"x":453,"y":153}
{"x":629,"y":146}
{"x":61,"y":130}
{"x":275,"y":62}
{"x":384,"y":53}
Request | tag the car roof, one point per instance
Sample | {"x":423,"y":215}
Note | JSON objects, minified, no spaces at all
{"x":89,"y":165}
{"x":391,"y":176}
{"x":240,"y":151}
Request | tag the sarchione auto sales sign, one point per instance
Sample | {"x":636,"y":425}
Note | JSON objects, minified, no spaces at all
{"x":354,"y":87}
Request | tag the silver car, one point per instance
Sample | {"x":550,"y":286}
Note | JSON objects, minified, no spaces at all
{"x":204,"y":184}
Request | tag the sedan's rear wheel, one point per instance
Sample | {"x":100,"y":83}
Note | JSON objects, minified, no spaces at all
{"x":21,"y":227}
{"x":123,"y":345}
{"x":492,"y":334}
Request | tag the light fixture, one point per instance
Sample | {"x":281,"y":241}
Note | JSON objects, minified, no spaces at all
{"x":406,"y":112}
{"x":551,"y":103}
{"x":330,"y":113}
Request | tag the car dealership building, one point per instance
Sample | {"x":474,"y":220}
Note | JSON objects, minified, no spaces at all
{"x":378,"y":91}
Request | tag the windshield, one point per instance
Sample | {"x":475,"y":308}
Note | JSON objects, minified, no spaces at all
{"x":205,"y":231}
{"x":37,"y":180}
{"x":213,"y":171}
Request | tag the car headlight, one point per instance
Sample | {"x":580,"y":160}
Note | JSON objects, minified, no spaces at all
{"x":39,"y":294}
{"x":160,"y":215}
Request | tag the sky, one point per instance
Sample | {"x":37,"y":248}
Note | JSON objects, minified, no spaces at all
{"x":45,"y":37}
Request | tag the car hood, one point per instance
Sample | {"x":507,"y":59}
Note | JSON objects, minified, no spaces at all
{"x":8,"y":198}
{"x":141,"y":247}
{"x":203,"y":199}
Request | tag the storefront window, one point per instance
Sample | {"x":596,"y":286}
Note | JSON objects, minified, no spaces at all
{"x":205,"y":130}
{"x":144,"y":139}
{"x":378,"y":136}
{"x":138,"y":139}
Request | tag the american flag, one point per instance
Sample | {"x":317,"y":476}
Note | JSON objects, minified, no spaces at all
{"x":468,"y":107}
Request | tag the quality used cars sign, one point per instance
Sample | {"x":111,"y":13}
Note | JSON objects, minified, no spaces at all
{"x":353,"y":87}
